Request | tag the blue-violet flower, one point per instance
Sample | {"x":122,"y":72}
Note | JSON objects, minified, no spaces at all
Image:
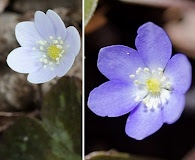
{"x":146,"y":82}
{"x":48,"y":49}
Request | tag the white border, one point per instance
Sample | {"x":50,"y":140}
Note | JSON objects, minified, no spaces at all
{"x":83,"y":86}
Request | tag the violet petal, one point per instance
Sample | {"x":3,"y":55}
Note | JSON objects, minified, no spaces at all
{"x":112,"y":99}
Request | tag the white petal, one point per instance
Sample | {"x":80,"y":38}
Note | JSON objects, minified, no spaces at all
{"x":72,"y":40}
{"x":26,"y":34}
{"x":58,"y":24}
{"x":24,"y":60}
{"x":44,"y":25}
{"x":65,"y":64}
{"x":42,"y":75}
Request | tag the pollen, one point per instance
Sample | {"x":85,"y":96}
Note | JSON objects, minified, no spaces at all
{"x":153,"y":85}
{"x":54,"y":52}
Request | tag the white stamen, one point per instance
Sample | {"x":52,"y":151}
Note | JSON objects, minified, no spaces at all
{"x":41,"y":48}
{"x":138,"y":70}
{"x":146,"y":70}
{"x":153,"y":88}
{"x":58,"y":46}
{"x":136,"y":82}
{"x":45,"y":61}
{"x":132,"y":76}
{"x":163,"y":79}
{"x":55,"y":41}
{"x":61,"y":42}
{"x":160,"y":69}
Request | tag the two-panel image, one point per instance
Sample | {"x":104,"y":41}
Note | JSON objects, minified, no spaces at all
{"x":97,"y":80}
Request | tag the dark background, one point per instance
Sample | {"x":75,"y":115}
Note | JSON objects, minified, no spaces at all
{"x":171,"y":142}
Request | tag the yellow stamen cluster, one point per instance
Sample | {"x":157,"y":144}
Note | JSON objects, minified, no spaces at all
{"x":52,"y":50}
{"x":153,"y":85}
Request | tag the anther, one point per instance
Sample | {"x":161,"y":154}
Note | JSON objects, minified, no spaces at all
{"x":160,"y":69}
{"x":136,"y":82}
{"x":138,"y":70}
{"x":41,"y":48}
{"x":55,"y":41}
{"x":146,"y":70}
{"x":45,"y":61}
{"x":132,"y":76}
{"x":163,"y":79}
{"x":168,"y":86}
{"x":58,"y":46}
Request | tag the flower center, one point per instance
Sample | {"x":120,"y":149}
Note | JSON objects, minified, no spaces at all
{"x":52,"y":49}
{"x":153,"y":87}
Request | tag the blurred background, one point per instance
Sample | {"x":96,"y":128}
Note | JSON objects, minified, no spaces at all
{"x":116,"y":22}
{"x":18,"y":97}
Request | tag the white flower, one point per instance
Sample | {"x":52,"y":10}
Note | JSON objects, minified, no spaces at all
{"x":48,"y":49}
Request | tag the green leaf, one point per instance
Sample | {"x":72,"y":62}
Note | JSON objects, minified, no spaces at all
{"x":61,"y":114}
{"x":57,"y":137}
{"x":26,"y":140}
{"x":113,"y":155}
{"x":89,"y":8}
